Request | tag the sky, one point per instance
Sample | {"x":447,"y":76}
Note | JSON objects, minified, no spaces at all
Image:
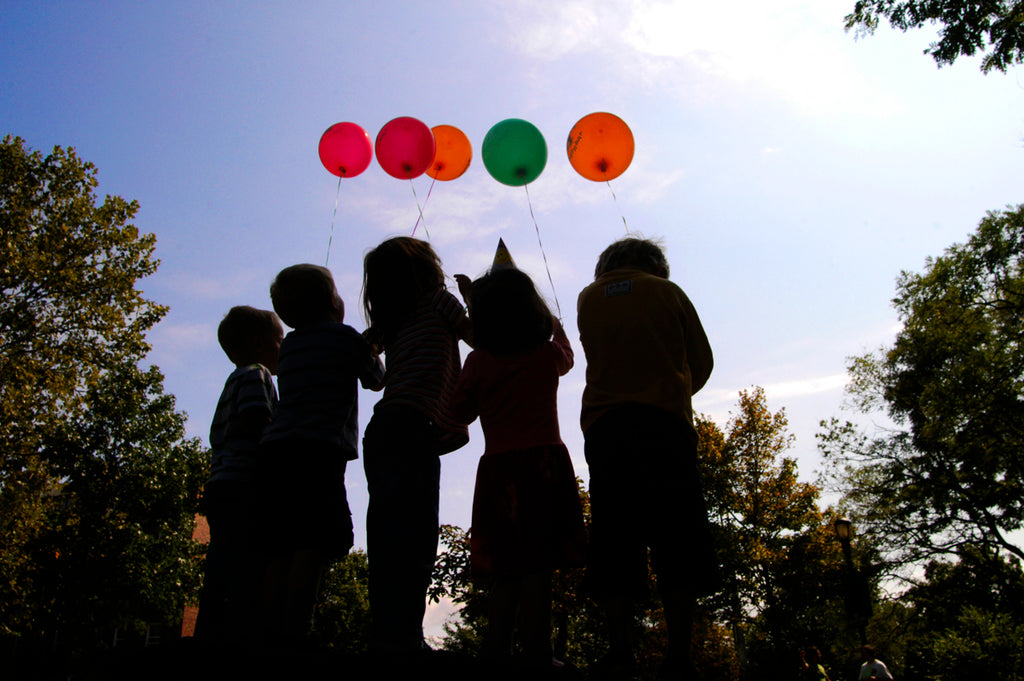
{"x":791,"y":170}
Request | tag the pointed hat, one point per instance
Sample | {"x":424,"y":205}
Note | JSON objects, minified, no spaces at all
{"x":502,"y":258}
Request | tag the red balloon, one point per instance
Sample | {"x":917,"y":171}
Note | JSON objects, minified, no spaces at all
{"x":345,"y":149}
{"x":405,"y":148}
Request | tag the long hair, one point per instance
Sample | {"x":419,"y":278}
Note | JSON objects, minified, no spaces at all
{"x":508,"y":315}
{"x":396,"y":275}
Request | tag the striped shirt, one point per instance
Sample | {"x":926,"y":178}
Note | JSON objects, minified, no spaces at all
{"x":423,"y":365}
{"x":231,"y":441}
{"x":317,"y":370}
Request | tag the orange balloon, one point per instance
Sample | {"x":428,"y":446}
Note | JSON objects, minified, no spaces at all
{"x":453,"y":154}
{"x":600,"y":146}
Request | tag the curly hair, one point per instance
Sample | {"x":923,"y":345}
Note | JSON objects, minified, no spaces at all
{"x":633,"y":253}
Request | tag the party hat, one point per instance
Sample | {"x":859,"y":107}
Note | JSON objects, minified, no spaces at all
{"x":502,"y":258}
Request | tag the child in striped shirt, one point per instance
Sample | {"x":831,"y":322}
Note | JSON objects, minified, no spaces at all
{"x":305,"y":449}
{"x":250,"y":338}
{"x":418,"y":323}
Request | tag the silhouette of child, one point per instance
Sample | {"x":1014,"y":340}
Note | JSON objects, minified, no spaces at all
{"x":418,"y":323}
{"x":647,"y":354}
{"x":527,"y":516}
{"x":305,"y":449}
{"x":250,"y":338}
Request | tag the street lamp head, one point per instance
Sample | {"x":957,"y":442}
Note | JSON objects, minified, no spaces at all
{"x":844,"y":529}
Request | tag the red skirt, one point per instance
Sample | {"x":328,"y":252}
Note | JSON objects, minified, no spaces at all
{"x":527,"y":515}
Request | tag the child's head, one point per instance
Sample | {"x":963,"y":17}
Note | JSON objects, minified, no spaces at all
{"x":396,"y":275}
{"x":251,"y":336}
{"x":508,"y":314}
{"x":305,"y":294}
{"x":633,"y":253}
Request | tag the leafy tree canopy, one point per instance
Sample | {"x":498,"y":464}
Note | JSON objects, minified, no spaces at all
{"x":994,"y":28}
{"x":97,"y":478}
{"x":69,"y":309}
{"x":951,"y":472}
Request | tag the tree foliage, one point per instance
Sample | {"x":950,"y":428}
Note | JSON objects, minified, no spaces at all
{"x":115,"y":551}
{"x":781,"y":563}
{"x":994,"y":28}
{"x":950,"y":472}
{"x":966,"y":619}
{"x":343,"y":610}
{"x":97,"y":478}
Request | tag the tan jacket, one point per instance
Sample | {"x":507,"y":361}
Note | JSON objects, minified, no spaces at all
{"x":644,"y":344}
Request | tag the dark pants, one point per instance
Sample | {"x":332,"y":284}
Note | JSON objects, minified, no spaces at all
{"x":403,"y":474}
{"x":233,"y":569}
{"x":645,"y":493}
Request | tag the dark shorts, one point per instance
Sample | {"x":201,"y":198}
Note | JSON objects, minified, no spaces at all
{"x":302,"y":499}
{"x":645,"y":493}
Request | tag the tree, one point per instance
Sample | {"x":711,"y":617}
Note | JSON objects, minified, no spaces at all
{"x":781,"y":565}
{"x":995,"y":28}
{"x":97,"y":478}
{"x":115,"y":551}
{"x":343,"y":611}
{"x":966,"y":619}
{"x":949,"y":471}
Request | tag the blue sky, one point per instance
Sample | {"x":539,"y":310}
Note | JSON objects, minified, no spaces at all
{"x":791,"y":170}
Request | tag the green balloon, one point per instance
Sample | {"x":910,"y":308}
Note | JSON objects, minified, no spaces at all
{"x":514,"y":152}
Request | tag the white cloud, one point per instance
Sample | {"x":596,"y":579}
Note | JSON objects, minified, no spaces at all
{"x":173,"y":344}
{"x":708,"y":400}
{"x":807,"y":386}
{"x":795,"y":48}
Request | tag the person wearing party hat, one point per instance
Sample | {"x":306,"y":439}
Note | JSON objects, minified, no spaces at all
{"x":527,"y":516}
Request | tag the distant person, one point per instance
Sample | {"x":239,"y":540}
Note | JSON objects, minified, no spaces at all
{"x":811,"y":668}
{"x":647,"y":354}
{"x":250,"y":338}
{"x":305,"y":450}
{"x":527,"y":515}
{"x":417,"y":323}
{"x":872,"y":668}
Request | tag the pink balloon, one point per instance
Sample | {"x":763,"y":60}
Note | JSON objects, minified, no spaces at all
{"x":345,"y":149}
{"x":405,"y":148}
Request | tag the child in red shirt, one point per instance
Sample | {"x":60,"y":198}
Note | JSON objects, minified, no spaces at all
{"x":527,"y":517}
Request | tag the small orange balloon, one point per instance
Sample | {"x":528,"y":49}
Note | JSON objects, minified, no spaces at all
{"x":453,"y":154}
{"x":600,"y":146}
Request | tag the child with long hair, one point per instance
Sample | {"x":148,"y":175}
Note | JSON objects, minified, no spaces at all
{"x":417,"y":323}
{"x":527,"y":516}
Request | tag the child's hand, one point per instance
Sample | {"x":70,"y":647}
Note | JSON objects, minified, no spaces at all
{"x":465,"y":287}
{"x":373,"y":339}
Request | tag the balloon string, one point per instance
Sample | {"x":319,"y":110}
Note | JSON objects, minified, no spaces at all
{"x":544,"y":255}
{"x":331,"y":238}
{"x":616,"y":200}
{"x":425,"y":202}
{"x":420,"y":210}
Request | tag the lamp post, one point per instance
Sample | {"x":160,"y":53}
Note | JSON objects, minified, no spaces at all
{"x":858,"y":601}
